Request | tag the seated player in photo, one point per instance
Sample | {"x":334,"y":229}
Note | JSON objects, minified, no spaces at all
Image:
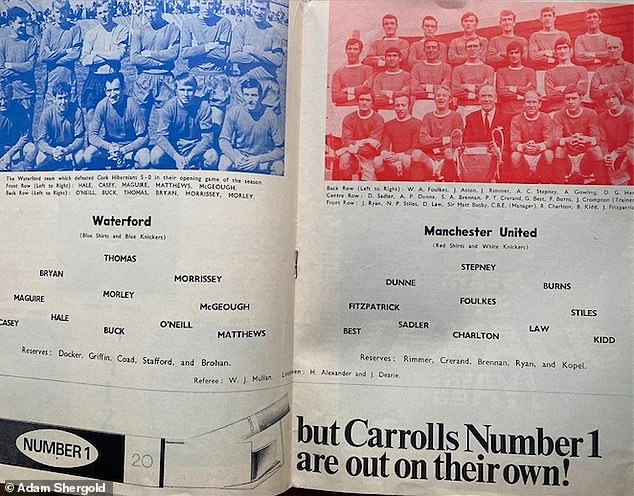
{"x":429,"y":25}
{"x":577,"y":136}
{"x":564,"y":75}
{"x":467,"y":79}
{"x":541,"y":44}
{"x":348,"y":80}
{"x":117,"y":133}
{"x":497,"y":53}
{"x":60,"y":48}
{"x":391,"y":83}
{"x":18,"y":53}
{"x":426,"y":76}
{"x":458,"y":52}
{"x":591,"y":47}
{"x":154,"y":48}
{"x":257,"y":52}
{"x":104,"y":47}
{"x":398,"y":144}
{"x":532,"y":140}
{"x":479,"y":127}
{"x":440,"y":135}
{"x":252,"y":139}
{"x":614,"y":71}
{"x":617,"y":136}
{"x":205,"y":43}
{"x":361,"y":133}
{"x":513,"y":82}
{"x":375,"y":57}
{"x":184,"y":131}
{"x":14,"y":131}
{"x":61,"y":134}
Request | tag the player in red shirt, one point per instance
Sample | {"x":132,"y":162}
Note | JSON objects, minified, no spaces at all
{"x":348,"y":80}
{"x":458,"y":53}
{"x":467,"y":79}
{"x":614,"y":71}
{"x":531,"y":142}
{"x":398,"y":144}
{"x":361,"y":138}
{"x":577,"y":135}
{"x":617,"y":136}
{"x":497,"y":55}
{"x":541,"y":44}
{"x":514,"y":81}
{"x":428,"y":75}
{"x":564,"y":75}
{"x":429,"y":25}
{"x":393,"y":82}
{"x":376,"y":52}
{"x":440,"y":135}
{"x":591,"y":48}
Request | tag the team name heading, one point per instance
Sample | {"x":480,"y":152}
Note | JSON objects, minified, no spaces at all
{"x":101,"y":220}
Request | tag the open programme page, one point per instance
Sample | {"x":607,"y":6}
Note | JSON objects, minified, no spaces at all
{"x":147,"y":258}
{"x":464,"y":293}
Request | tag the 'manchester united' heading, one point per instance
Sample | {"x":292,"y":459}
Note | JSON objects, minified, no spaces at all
{"x":504,"y":232}
{"x":102,"y":220}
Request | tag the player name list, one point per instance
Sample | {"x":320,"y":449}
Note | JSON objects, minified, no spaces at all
{"x":113,"y":309}
{"x":187,"y":184}
{"x":479,"y":197}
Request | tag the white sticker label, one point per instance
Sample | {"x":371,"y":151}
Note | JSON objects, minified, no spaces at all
{"x":56,"y":448}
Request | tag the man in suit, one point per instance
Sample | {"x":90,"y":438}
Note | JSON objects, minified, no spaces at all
{"x":479,"y":126}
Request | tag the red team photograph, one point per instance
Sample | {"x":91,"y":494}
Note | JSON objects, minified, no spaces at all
{"x":483,"y":92}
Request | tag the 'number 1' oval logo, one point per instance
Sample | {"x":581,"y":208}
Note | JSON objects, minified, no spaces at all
{"x":56,"y":448}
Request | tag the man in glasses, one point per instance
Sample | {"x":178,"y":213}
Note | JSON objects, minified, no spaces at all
{"x":429,"y":25}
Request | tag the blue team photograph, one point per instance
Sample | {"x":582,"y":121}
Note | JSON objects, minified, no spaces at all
{"x":144,"y":84}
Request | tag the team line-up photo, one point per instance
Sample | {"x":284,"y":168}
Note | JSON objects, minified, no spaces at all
{"x":546,"y":100}
{"x":107,"y":84}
